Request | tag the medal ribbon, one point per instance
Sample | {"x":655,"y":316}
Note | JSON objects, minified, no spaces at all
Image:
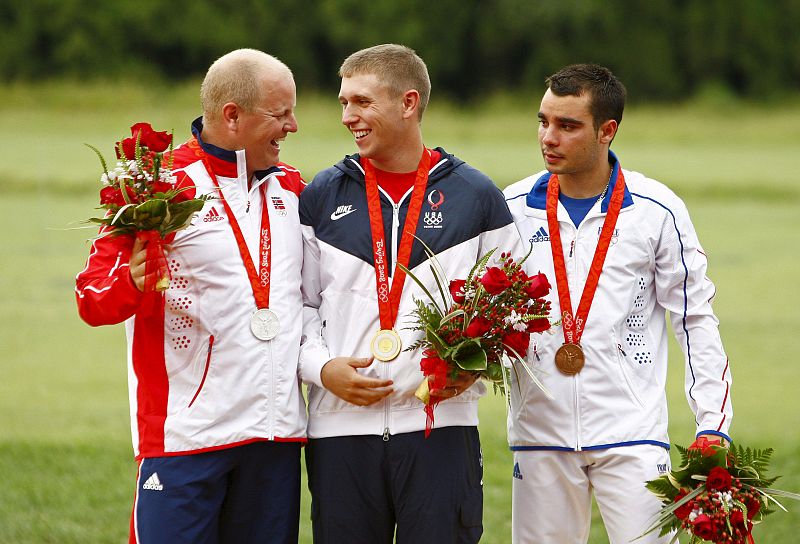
{"x":259,"y":279}
{"x":389,"y":299}
{"x":573,"y":324}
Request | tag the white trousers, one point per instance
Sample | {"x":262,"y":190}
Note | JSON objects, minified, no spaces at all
{"x":552,"y":494}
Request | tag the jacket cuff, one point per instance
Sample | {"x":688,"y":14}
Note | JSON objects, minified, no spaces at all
{"x":311,"y":362}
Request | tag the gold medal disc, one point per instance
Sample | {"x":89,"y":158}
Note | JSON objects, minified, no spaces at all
{"x":386,"y":345}
{"x":570,"y":359}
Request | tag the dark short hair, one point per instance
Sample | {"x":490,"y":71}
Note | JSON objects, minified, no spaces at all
{"x":606,"y":92}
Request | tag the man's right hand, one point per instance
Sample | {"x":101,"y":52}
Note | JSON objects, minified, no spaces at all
{"x":340,"y":376}
{"x":138,"y":262}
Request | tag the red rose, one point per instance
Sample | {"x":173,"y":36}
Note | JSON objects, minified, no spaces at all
{"x":432,"y":365}
{"x":539,"y":286}
{"x":128,"y":146}
{"x":703,"y":526}
{"x":153,"y":140}
{"x":682,"y":512}
{"x":718,"y":479}
{"x":737,"y":519}
{"x":478,"y":327}
{"x":161,"y":187}
{"x":540,"y":324}
{"x":158,"y":141}
{"x":753,"y":506}
{"x":518,"y":341}
{"x":457,"y":290}
{"x":111,"y":195}
{"x":495,"y":281}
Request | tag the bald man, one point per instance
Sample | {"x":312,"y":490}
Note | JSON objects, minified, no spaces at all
{"x":217,"y":414}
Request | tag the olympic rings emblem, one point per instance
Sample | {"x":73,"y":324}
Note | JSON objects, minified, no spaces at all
{"x":433,"y":218}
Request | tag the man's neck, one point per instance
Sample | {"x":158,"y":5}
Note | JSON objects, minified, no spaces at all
{"x":585,"y":184}
{"x":210,"y":136}
{"x":402,"y":158}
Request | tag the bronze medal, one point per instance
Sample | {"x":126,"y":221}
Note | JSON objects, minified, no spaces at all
{"x":570,"y":359}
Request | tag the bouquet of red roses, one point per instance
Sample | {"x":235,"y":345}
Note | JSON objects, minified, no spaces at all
{"x":717,"y":495}
{"x":141,"y":197}
{"x":483,"y":327}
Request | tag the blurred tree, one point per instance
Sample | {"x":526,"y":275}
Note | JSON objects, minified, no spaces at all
{"x":662,"y":49}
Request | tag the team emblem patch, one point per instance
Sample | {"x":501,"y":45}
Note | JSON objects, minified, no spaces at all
{"x":278,"y":205}
{"x":433,"y":219}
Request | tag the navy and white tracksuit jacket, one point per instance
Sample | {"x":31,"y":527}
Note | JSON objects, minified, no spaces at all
{"x":655,"y":264}
{"x":463,"y":216}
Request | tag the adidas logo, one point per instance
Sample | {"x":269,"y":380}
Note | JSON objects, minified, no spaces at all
{"x":341,"y":211}
{"x":540,"y":236}
{"x":153,"y":483}
{"x":517,"y":472}
{"x":212,"y":215}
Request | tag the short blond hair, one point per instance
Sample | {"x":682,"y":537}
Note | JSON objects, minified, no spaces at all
{"x":397,"y":66}
{"x":237,"y":77}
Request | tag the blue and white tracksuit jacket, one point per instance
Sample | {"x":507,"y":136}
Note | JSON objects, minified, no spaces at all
{"x":463,"y":216}
{"x":655,"y":264}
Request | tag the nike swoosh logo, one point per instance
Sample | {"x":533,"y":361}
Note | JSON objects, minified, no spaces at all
{"x":338,"y":215}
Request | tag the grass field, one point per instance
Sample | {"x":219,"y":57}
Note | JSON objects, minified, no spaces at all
{"x":66,"y":470}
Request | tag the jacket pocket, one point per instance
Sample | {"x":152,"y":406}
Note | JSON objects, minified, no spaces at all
{"x":621,"y":357}
{"x":205,"y":371}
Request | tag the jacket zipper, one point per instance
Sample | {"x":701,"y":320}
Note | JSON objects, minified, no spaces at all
{"x":271,"y":404}
{"x":205,"y":371}
{"x":576,"y":380}
{"x":395,"y":235}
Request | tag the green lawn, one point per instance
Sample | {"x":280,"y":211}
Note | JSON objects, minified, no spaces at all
{"x":66,"y":471}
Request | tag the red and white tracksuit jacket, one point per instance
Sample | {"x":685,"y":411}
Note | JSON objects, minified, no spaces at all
{"x":198,"y":378}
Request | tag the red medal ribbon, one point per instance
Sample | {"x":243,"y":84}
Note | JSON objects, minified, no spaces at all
{"x":259,"y":279}
{"x":573,"y":324}
{"x":389,"y":299}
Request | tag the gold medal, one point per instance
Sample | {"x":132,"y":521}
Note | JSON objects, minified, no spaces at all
{"x":386,"y":345}
{"x":570,"y":359}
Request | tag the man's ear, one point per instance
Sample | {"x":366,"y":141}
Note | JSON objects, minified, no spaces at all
{"x":607,"y":131}
{"x":410,"y":103}
{"x":230,"y":116}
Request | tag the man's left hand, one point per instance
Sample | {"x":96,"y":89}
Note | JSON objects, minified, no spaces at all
{"x":454,"y":386}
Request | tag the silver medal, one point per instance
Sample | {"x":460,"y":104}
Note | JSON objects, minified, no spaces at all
{"x":265,"y":324}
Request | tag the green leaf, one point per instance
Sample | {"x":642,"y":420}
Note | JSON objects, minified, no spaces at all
{"x":475,"y":360}
{"x":100,"y":156}
{"x":150,"y":214}
{"x":438,"y":344}
{"x":421,"y":285}
{"x":181,"y":214}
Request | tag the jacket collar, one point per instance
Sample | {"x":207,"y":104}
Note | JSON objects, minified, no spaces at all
{"x":351,"y":166}
{"x":223,"y":161}
{"x":538,"y":194}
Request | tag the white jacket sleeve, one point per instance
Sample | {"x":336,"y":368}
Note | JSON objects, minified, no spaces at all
{"x":684,"y":290}
{"x":313,"y":350}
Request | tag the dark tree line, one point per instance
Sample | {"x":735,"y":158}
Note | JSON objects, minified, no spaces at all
{"x":662,"y":49}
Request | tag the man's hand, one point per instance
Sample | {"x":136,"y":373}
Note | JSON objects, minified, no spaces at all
{"x":138,"y":263}
{"x":705,"y":441}
{"x":340,"y":377}
{"x":454,"y":386}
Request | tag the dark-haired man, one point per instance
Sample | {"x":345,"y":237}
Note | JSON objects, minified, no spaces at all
{"x":623,"y":252}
